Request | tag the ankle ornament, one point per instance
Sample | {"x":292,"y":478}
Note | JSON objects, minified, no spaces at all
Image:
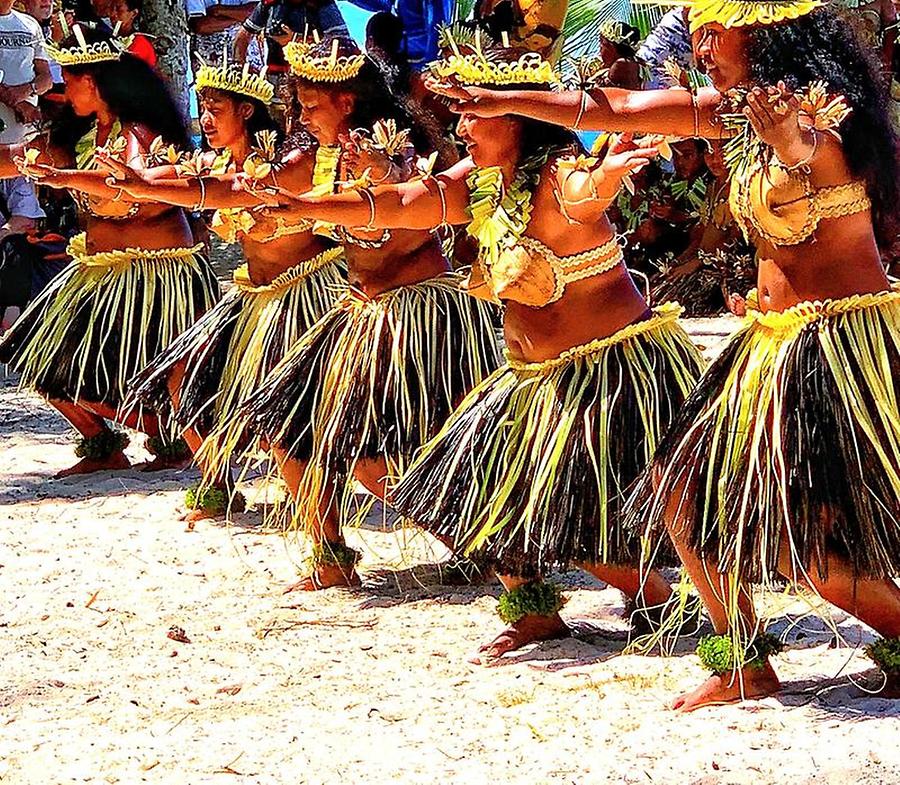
{"x":885,"y":653}
{"x":718,"y":655}
{"x":102,"y":445}
{"x":334,"y":554}
{"x":212,"y":500}
{"x":535,"y":598}
{"x":168,"y":449}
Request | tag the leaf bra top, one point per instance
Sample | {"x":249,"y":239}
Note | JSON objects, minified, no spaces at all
{"x":782,"y":207}
{"x":531,"y":274}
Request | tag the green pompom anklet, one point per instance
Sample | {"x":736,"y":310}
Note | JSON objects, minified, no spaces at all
{"x":212,"y":500}
{"x":101,"y":446}
{"x":535,"y":598}
{"x":168,"y":449}
{"x":334,"y":554}
{"x":885,"y":653}
{"x":717,"y":652}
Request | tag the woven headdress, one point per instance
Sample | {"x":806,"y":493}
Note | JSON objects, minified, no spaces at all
{"x":84,"y":53}
{"x":234,"y":79}
{"x":743,"y":13}
{"x":331,"y":67}
{"x":483,"y":66}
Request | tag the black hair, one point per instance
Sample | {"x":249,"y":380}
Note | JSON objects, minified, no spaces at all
{"x":259,"y":120}
{"x":134,"y":92}
{"x":823,"y":46}
{"x":375,"y":100}
{"x":385,"y":30}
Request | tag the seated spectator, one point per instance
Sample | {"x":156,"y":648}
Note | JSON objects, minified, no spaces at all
{"x":20,"y":212}
{"x":26,"y":73}
{"x":618,"y":43}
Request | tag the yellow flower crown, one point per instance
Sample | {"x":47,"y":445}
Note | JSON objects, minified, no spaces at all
{"x":85,"y":53}
{"x":479,"y":68}
{"x":475,"y":69}
{"x":236,"y":80}
{"x":330,"y":68}
{"x":743,"y":13}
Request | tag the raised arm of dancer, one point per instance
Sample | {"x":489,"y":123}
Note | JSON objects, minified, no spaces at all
{"x":420,"y":204}
{"x":586,"y":187}
{"x":674,"y":112}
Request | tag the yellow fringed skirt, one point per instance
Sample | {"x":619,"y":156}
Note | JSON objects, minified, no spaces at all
{"x":791,"y":441}
{"x":375,"y":378}
{"x":106,"y":316}
{"x":535,"y":465}
{"x":225,"y":356}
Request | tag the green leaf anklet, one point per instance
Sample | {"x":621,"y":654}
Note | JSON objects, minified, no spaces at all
{"x":885,"y":653}
{"x":211,"y":500}
{"x":335,"y":554}
{"x":101,"y":446}
{"x":168,"y":449}
{"x":717,"y":652}
{"x":537,"y":598}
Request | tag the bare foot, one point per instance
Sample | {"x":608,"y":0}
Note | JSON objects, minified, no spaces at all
{"x":159,"y":464}
{"x":751,"y":682}
{"x":529,"y":629}
{"x":325,"y":576}
{"x":113,"y":462}
{"x":191,"y":516}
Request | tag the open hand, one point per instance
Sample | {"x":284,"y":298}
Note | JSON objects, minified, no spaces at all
{"x":119,"y":171}
{"x":469,"y":100}
{"x":773,"y":113}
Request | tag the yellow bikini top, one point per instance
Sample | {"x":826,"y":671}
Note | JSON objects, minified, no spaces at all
{"x":531,"y":274}
{"x":783,"y":208}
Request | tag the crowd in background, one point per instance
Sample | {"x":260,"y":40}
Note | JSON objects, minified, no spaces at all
{"x":673,"y":218}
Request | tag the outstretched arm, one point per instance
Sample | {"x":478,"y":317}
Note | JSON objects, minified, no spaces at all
{"x":585,"y":187}
{"x":672,"y":112}
{"x":421,"y":204}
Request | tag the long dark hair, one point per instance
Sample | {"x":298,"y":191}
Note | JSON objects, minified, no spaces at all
{"x":134,"y":92}
{"x":822,"y":46}
{"x":375,"y":100}
{"x":259,"y":121}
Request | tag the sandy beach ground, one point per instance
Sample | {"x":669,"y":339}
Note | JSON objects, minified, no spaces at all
{"x":362,"y":686}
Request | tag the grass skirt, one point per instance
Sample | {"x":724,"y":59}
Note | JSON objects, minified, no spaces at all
{"x":104,"y":318}
{"x":228,"y":353}
{"x":534,"y":466}
{"x":794,"y":432}
{"x":374,"y":378}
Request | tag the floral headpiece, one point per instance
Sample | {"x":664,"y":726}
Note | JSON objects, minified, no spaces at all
{"x":482,"y":67}
{"x":233,"y":79}
{"x":743,"y":13}
{"x":330,"y":68}
{"x":84,"y":53}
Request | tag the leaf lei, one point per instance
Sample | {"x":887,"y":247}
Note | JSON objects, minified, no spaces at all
{"x":498,"y":219}
{"x":86,"y":147}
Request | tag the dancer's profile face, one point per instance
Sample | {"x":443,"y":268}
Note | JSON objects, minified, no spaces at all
{"x":722,"y":53}
{"x":223,"y":119}
{"x":324,"y":112}
{"x":489,"y":140}
{"x":81,"y":93}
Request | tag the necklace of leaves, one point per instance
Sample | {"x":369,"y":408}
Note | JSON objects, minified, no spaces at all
{"x":499,"y":216}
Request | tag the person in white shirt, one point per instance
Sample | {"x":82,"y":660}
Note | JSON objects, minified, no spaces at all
{"x":26,"y":73}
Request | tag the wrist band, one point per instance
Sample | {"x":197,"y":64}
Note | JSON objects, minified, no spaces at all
{"x":695,"y":107}
{"x":582,"y":107}
{"x":201,"y":205}
{"x":443,"y":198}
{"x":371,"y":199}
{"x":804,"y":164}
